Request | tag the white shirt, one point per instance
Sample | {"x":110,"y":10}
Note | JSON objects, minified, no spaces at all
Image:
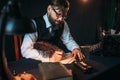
{"x":28,"y":51}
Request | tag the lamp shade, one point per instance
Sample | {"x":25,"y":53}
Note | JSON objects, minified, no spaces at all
{"x":11,"y":23}
{"x":19,"y":26}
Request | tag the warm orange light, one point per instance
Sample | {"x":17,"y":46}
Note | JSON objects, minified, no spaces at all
{"x":85,"y":1}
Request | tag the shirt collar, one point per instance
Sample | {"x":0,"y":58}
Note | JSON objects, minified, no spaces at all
{"x":47,"y":22}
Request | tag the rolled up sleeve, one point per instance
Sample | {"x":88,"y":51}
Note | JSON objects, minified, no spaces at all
{"x":68,"y":39}
{"x":27,"y":49}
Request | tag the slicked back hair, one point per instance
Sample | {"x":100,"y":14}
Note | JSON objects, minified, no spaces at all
{"x":60,"y":3}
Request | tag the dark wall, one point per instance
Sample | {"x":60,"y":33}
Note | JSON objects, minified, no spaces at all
{"x":117,"y":16}
{"x":84,"y":19}
{"x":33,"y":8}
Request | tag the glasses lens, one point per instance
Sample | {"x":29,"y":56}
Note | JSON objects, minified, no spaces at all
{"x":59,"y":15}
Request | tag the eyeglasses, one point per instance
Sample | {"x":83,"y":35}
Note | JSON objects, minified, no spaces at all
{"x":58,"y":14}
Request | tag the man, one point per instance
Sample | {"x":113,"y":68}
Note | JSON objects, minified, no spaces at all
{"x":51,"y":28}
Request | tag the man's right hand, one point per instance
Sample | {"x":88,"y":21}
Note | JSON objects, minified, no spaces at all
{"x":68,"y":59}
{"x":56,"y":56}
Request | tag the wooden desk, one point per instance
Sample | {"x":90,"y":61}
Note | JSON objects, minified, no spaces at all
{"x":106,"y":68}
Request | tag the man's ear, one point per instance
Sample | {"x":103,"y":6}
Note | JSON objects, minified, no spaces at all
{"x":49,"y":8}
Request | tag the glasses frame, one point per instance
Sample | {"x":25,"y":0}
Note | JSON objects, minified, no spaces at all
{"x":59,"y":15}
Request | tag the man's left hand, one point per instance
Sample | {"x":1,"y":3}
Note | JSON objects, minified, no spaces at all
{"x":77,"y":52}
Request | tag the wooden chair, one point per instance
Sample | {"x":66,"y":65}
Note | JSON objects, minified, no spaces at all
{"x":17,"y":44}
{"x":12,"y":47}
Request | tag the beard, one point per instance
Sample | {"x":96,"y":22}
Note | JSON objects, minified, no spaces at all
{"x":55,"y":23}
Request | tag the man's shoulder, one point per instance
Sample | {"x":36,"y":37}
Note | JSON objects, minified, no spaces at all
{"x":39,"y":20}
{"x":38,"y":17}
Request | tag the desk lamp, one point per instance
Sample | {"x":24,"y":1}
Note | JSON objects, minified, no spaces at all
{"x":11,"y":22}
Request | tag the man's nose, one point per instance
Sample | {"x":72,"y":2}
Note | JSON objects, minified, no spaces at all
{"x":60,"y":18}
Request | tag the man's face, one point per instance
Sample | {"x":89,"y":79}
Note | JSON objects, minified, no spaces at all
{"x":57,"y":15}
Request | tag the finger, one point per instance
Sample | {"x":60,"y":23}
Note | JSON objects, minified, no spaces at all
{"x":74,"y":54}
{"x":80,"y":55}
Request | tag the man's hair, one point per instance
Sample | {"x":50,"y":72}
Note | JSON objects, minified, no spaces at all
{"x":60,"y":3}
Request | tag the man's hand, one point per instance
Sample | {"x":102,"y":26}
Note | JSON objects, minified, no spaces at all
{"x":56,"y":56}
{"x":77,"y":52}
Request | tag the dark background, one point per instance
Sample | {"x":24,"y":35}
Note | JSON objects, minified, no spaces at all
{"x":84,"y":19}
